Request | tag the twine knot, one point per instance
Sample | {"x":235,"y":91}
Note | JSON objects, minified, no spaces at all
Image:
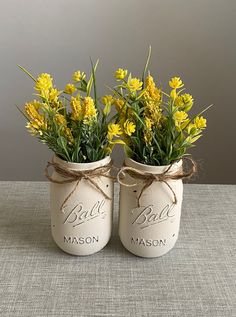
{"x":148,"y":178}
{"x":76,"y":176}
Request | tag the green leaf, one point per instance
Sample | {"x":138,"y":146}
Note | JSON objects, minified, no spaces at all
{"x":90,"y":82}
{"x":27,"y":72}
{"x":146,"y":65}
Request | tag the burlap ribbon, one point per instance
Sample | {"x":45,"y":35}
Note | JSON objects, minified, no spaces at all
{"x":76,"y":176}
{"x":148,"y":178}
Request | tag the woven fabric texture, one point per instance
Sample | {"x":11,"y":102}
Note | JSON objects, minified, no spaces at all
{"x":196,"y":278}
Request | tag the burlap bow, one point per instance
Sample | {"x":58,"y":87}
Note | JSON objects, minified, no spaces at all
{"x":148,"y":178}
{"x":76,"y":176}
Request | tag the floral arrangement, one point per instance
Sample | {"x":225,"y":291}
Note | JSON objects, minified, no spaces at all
{"x":155,"y":126}
{"x":70,"y":122}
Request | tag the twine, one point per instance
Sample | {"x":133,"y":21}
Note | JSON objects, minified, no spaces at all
{"x":148,"y":178}
{"x":76,"y":176}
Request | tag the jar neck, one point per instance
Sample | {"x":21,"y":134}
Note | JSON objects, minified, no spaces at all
{"x":81,"y":166}
{"x":151,"y":168}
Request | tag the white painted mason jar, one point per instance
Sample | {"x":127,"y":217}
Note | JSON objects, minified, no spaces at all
{"x":83,"y":226}
{"x":150,"y":229}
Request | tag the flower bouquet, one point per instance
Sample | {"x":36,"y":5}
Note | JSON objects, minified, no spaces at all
{"x":157,"y":130}
{"x":74,"y":126}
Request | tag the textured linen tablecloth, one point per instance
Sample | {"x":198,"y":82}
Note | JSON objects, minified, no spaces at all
{"x":196,"y":278}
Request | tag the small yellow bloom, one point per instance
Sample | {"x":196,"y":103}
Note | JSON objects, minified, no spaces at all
{"x":60,"y":119}
{"x":68,"y":134}
{"x":43,"y":82}
{"x":200,"y":122}
{"x":134,"y":84}
{"x":147,"y":137}
{"x":176,"y":83}
{"x":70,"y":89}
{"x":129,"y":127}
{"x":108,"y":99}
{"x":77,"y":113}
{"x":114,"y":129}
{"x":119,"y":104}
{"x":148,"y":123}
{"x":78,"y":76}
{"x":121,"y":73}
{"x":152,"y":93}
{"x":184,"y":102}
{"x":36,"y":127}
{"x":179,"y":117}
{"x":88,"y":107}
{"x":53,"y":95}
{"x":31,"y":109}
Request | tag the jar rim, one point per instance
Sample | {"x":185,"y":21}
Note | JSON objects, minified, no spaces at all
{"x":152,"y":168}
{"x":82,"y":166}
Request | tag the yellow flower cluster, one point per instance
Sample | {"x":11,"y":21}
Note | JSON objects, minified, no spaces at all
{"x":152,"y":100}
{"x":134,"y":84}
{"x":37,"y":122}
{"x":60,"y":119}
{"x":69,"y":89}
{"x":83,"y":109}
{"x":121,"y":73}
{"x":43,"y":82}
{"x":76,"y":107}
{"x":129,"y":127}
{"x":176,"y":83}
{"x":78,"y":76}
{"x":89,"y":109}
{"x":44,"y":86}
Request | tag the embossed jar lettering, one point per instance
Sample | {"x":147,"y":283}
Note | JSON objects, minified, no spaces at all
{"x":81,"y":213}
{"x":149,"y":217}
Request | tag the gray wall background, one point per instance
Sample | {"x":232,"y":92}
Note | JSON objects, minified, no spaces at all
{"x":192,"y":39}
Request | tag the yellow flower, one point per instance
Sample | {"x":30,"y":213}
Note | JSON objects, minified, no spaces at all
{"x":200,"y":122}
{"x":36,"y":127}
{"x":31,"y":109}
{"x":89,"y":110}
{"x":53,"y":95}
{"x":43,"y":82}
{"x":68,"y":134}
{"x":184,"y":102}
{"x":77,"y":113}
{"x":121,"y":73}
{"x":60,"y":119}
{"x":78,"y":76}
{"x":147,"y":137}
{"x":179,"y":117}
{"x":114,"y":129}
{"x":152,"y":93}
{"x":176,"y":83}
{"x":119,"y":104}
{"x":129,"y":127}
{"x":107,"y":99}
{"x":148,"y":123}
{"x":134,"y":84}
{"x":70,"y":89}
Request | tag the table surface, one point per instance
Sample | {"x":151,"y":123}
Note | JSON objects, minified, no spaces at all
{"x":196,"y":278}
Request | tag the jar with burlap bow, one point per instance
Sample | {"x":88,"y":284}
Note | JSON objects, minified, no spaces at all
{"x":81,"y":198}
{"x":150,"y":206}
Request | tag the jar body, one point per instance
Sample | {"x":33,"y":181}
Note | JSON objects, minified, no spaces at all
{"x":83,"y":225}
{"x":151,"y":228}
